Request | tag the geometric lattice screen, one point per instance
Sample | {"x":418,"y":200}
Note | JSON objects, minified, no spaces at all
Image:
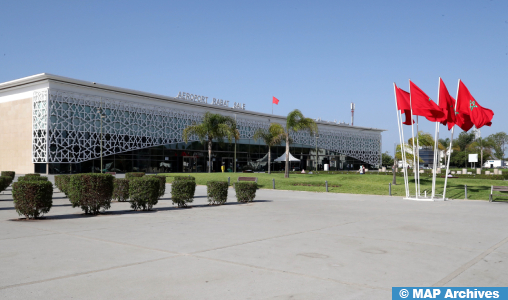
{"x":66,"y":128}
{"x":40,"y":126}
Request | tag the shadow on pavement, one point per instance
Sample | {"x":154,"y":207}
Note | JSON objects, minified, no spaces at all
{"x":127,"y":212}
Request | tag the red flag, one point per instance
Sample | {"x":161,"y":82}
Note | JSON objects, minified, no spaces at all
{"x":424,"y":106}
{"x":275,"y":100}
{"x":467,"y":105}
{"x":403,"y":104}
{"x":460,"y":119}
{"x":447,"y":103}
{"x":463,"y":121}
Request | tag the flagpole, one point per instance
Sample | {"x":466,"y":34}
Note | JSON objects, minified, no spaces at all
{"x":450,"y":147}
{"x":436,"y":160}
{"x":404,"y":164}
{"x":272,"y":106}
{"x":413,"y":139}
{"x":418,"y":151}
{"x":399,"y":125}
{"x":436,"y":137}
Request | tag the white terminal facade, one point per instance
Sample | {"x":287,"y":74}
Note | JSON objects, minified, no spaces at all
{"x":51,"y":124}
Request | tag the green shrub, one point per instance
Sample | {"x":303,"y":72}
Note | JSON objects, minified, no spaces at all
{"x":62,"y":183}
{"x":217,"y":192}
{"x":192,"y":178}
{"x":4,"y":182}
{"x":134,"y":175}
{"x":144,"y":192}
{"x":33,"y":175}
{"x":32,"y":198}
{"x":10,"y":174}
{"x":245,"y":191}
{"x":91,"y":192}
{"x":28,"y":177}
{"x":162,"y":185}
{"x":121,"y":189}
{"x":182,"y":192}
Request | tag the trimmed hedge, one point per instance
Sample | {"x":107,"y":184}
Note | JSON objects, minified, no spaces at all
{"x":62,"y":183}
{"x":32,"y":198}
{"x":144,"y":192}
{"x":91,"y":191}
{"x":217,"y":192}
{"x":33,"y":175}
{"x":134,"y":175}
{"x":4,"y":182}
{"x":182,"y":192}
{"x":10,"y":174}
{"x":245,"y":191}
{"x":29,"y":177}
{"x":162,"y":185}
{"x":192,"y":178}
{"x":121,"y":189}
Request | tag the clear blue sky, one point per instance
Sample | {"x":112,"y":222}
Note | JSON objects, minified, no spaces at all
{"x":317,"y":56}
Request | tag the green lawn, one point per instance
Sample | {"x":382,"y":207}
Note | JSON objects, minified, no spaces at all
{"x":478,"y":189}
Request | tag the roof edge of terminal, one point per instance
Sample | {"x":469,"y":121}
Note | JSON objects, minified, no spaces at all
{"x":94,"y":85}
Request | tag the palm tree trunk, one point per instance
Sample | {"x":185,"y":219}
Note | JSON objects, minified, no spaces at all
{"x":269,"y":159}
{"x":209,"y":156}
{"x":286,"y":173}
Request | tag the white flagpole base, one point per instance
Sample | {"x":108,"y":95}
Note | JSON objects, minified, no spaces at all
{"x":424,"y":198}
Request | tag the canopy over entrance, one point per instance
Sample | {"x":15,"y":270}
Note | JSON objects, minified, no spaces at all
{"x":283,"y":158}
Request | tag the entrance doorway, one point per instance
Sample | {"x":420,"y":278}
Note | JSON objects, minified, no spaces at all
{"x":227,"y":162}
{"x":189,"y":164}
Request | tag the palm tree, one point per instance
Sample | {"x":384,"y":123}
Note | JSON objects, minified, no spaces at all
{"x":213,"y":127}
{"x":271,"y":137}
{"x":295,"y":122}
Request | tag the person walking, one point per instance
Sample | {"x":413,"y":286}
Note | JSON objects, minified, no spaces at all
{"x":362,"y":170}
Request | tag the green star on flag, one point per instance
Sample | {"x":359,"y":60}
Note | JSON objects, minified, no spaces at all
{"x":472,"y":104}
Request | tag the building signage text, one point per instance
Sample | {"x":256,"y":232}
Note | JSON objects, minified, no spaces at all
{"x":203,"y":99}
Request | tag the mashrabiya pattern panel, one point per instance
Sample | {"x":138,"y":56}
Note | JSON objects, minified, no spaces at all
{"x":74,"y":129}
{"x":40,"y":126}
{"x":74,"y":126}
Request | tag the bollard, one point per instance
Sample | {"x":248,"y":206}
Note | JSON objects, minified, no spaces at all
{"x":425,"y":193}
{"x":390,"y":188}
{"x":229,"y":181}
{"x":326,"y":183}
{"x":465,"y":190}
{"x":273,"y":180}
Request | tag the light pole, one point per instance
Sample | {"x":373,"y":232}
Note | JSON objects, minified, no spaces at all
{"x":101,"y":115}
{"x":316,"y":136}
{"x":234,"y":163}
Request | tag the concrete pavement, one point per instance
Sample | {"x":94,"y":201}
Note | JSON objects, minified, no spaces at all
{"x":285,"y":245}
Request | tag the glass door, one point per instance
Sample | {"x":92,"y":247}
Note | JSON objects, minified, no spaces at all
{"x":189,"y":164}
{"x":227,"y":162}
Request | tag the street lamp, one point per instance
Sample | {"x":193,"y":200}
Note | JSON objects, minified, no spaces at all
{"x":102,"y":115}
{"x":316,"y":136}
{"x":234,"y":162}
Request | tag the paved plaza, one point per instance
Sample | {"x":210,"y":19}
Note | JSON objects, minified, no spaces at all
{"x":285,"y":245}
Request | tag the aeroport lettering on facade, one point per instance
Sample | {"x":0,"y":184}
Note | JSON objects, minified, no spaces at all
{"x":203,"y":99}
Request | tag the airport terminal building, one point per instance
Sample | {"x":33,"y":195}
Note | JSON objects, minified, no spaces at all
{"x":53,"y":124}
